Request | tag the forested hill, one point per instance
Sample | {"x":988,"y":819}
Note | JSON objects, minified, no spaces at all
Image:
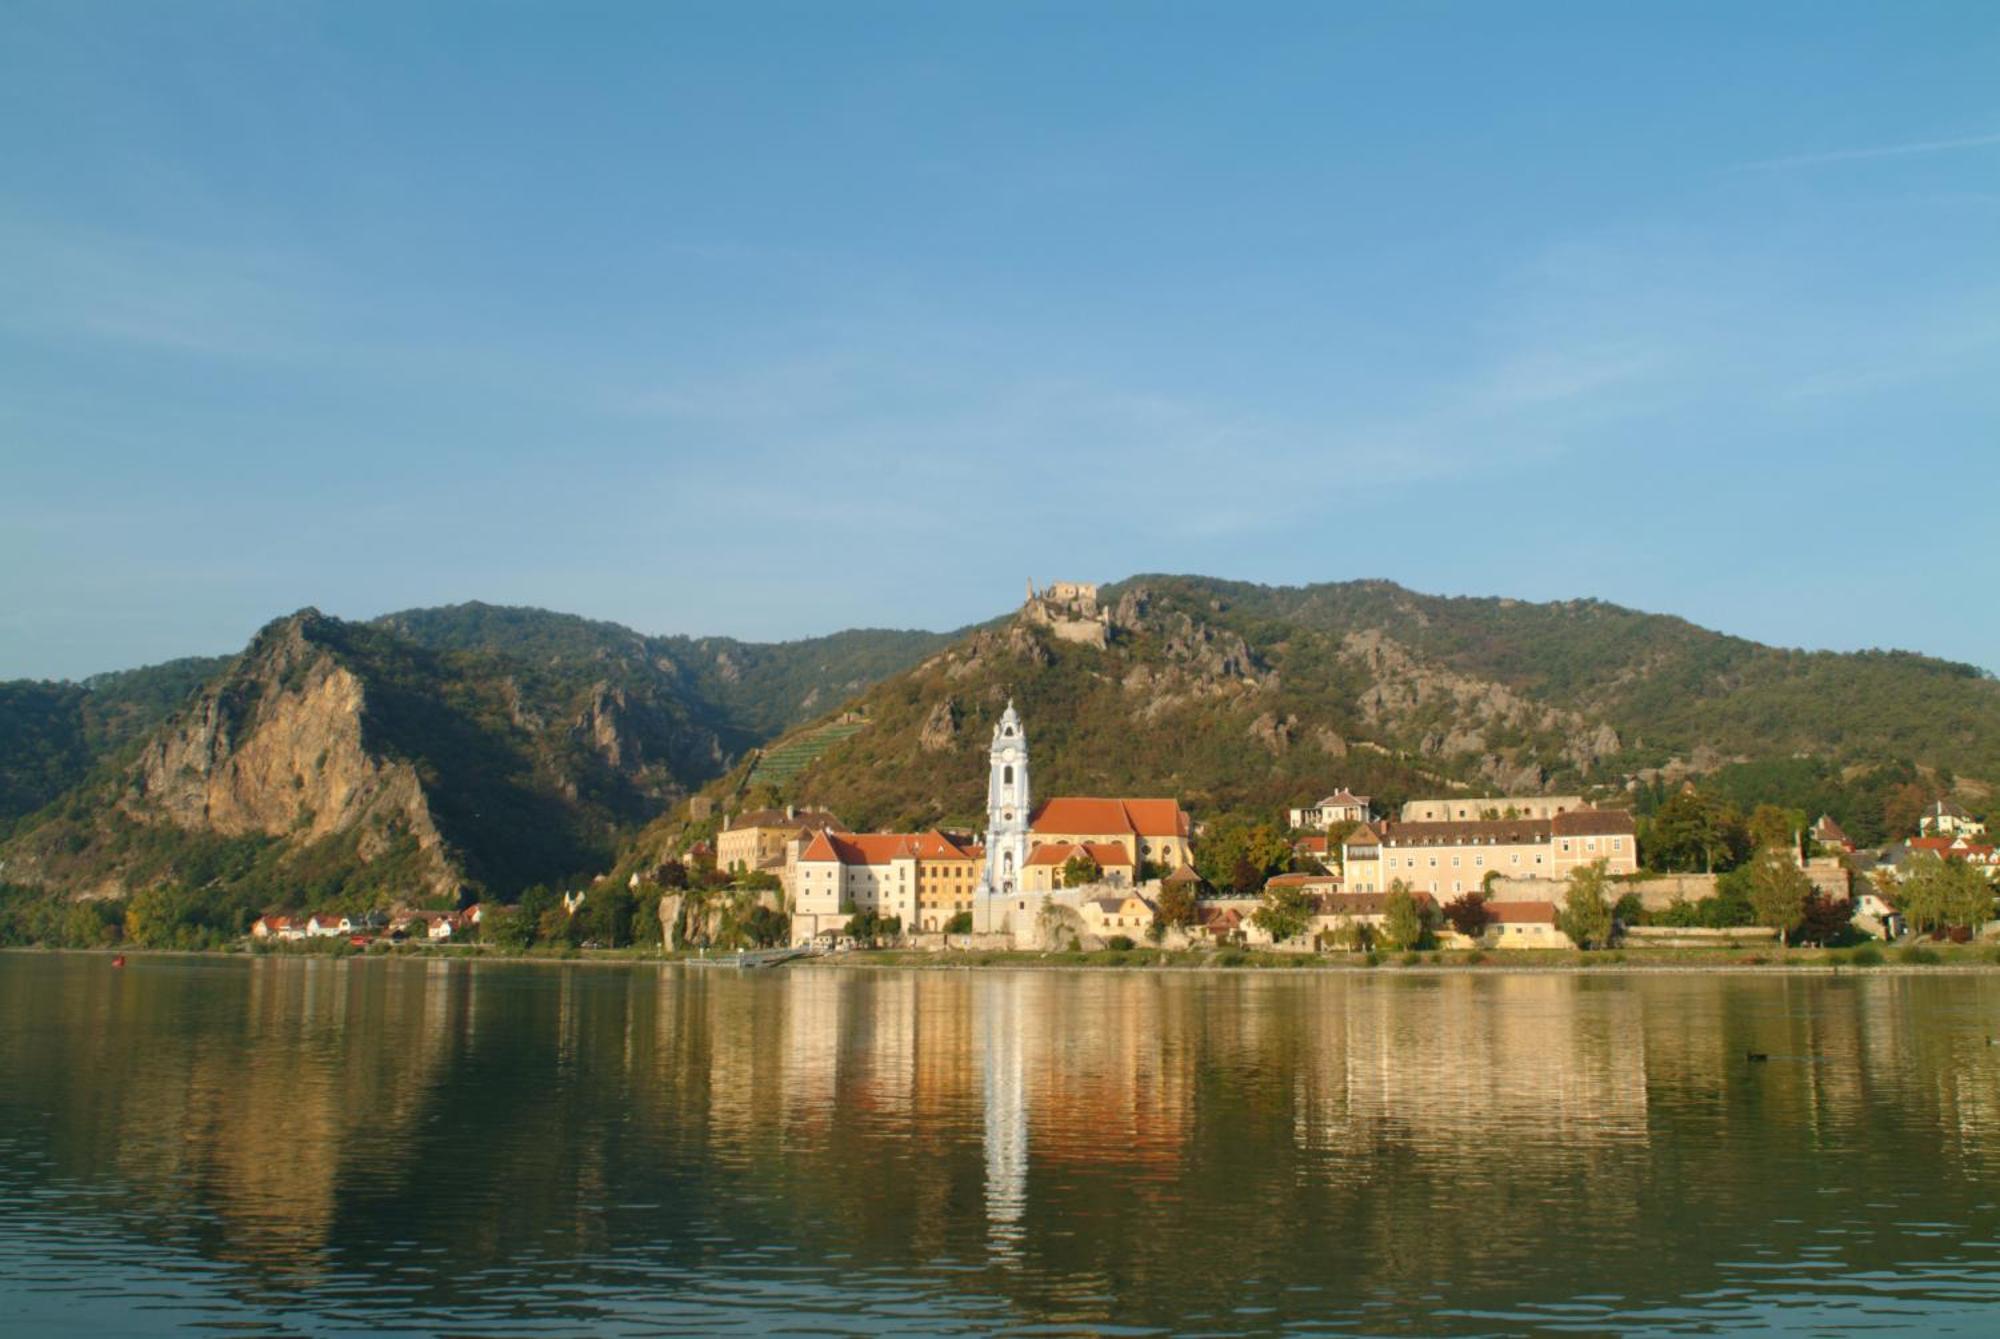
{"x":1238,"y":696}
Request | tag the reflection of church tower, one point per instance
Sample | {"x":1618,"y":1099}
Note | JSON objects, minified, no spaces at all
{"x":1006,"y":807}
{"x":1005,"y":1101}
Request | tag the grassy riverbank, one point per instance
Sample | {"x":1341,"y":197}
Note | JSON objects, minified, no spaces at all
{"x":1866,"y":957}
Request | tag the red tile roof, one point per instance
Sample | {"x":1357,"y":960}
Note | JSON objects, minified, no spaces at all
{"x":1592,"y":823}
{"x":1090,"y":814}
{"x":1108,"y":855}
{"x":880,"y":848}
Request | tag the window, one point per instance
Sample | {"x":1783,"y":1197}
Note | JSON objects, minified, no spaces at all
{"x":1007,"y":775}
{"x":1617,"y":843}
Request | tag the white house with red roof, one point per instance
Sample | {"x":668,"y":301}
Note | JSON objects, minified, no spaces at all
{"x":1343,"y":806}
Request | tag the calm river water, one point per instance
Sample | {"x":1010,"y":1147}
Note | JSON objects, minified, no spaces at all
{"x":318,"y":1146}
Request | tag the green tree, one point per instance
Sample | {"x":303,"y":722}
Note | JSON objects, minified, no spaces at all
{"x":1778,"y":891}
{"x":1285,"y":912}
{"x":1176,"y":906}
{"x":1404,"y":925}
{"x":1585,"y":915}
{"x":1080,"y":871}
{"x":959,"y":924}
{"x":1771,"y":828}
{"x":510,"y":929}
{"x":1938,"y":894}
{"x":1691,"y":833}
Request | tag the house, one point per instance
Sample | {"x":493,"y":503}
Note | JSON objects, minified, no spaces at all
{"x":1129,"y":915}
{"x":756,"y":840}
{"x":277,"y":927}
{"x":1947,"y":818}
{"x":922,"y":879}
{"x":1044,"y":872}
{"x":1449,"y":858}
{"x":438,"y":928}
{"x":1831,"y":836}
{"x":326,"y":925}
{"x":1152,"y":831}
{"x":1336,"y":912}
{"x":1343,"y":806}
{"x":1875,"y":909}
{"x":1524,"y":925}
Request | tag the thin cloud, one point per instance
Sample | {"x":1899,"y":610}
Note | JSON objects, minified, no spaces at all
{"x":1880,"y":151}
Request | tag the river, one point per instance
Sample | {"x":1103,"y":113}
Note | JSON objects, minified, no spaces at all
{"x":319,"y":1146}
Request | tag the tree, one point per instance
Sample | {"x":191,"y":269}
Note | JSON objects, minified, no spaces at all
{"x":1772,"y":828}
{"x":1244,"y":877}
{"x":959,"y":924}
{"x":1585,"y":916}
{"x":1403,"y":921}
{"x":510,"y":929}
{"x":1285,"y":913}
{"x":1827,"y":920}
{"x":1468,"y":914}
{"x":672,"y":875}
{"x":1904,"y":805}
{"x":1176,"y":906}
{"x":1080,"y":871}
{"x":1692,"y":833}
{"x":1938,"y":894}
{"x":1778,"y":892}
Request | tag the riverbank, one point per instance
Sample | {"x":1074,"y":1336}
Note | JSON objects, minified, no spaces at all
{"x":1865,"y":958}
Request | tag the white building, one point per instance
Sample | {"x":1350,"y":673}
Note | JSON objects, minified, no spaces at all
{"x":1002,"y":896}
{"x":1343,"y":806}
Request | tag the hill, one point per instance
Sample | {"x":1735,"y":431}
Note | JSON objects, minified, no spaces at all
{"x":434,"y":754}
{"x":1245,"y":697}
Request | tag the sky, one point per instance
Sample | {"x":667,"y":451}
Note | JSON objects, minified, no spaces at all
{"x":768,"y":320}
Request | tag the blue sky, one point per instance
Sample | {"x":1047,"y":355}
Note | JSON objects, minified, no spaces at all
{"x":769,"y":320}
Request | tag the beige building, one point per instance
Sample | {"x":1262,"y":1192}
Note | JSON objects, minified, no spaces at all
{"x":922,"y":879}
{"x":1473,"y":808}
{"x":1129,"y":915}
{"x":1524,"y":925}
{"x":1155,"y":831}
{"x":1044,"y":873}
{"x":1449,"y":859}
{"x":756,"y":840}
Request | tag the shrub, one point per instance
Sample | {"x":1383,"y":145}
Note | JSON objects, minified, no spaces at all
{"x":1120,"y":943}
{"x":1474,"y":958}
{"x":1411,"y":959}
{"x":1231,"y":957}
{"x":1371,"y":959}
{"x":1918,"y":956}
{"x":1868,"y":955}
{"x":1835,"y":959}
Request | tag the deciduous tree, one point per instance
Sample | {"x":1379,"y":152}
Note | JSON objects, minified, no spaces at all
{"x":1585,"y":915}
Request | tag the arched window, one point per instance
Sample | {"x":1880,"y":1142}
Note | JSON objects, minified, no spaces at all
{"x":1007,"y":863}
{"x":1007,"y":775}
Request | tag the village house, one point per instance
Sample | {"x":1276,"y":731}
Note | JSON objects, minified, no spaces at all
{"x":1524,"y":925}
{"x":1343,"y":806}
{"x":1948,"y":818}
{"x":1129,"y":915}
{"x":277,"y":927}
{"x":1831,"y":836}
{"x":324,"y":925}
{"x":1318,"y":847}
{"x":1450,"y":858}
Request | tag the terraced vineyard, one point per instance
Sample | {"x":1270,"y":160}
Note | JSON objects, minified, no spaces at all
{"x":787,"y":758}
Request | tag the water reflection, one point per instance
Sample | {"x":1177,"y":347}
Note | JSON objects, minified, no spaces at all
{"x":320,"y":1143}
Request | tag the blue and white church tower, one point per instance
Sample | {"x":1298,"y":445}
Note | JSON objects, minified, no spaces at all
{"x":1007,"y":799}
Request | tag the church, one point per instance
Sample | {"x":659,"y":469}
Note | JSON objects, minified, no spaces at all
{"x":1027,"y":849}
{"x":925,"y":880}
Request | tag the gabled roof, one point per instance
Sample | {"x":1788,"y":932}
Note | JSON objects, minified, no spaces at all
{"x":1826,"y":830}
{"x":1301,"y":880}
{"x":1317,"y":844}
{"x":1105,"y":854}
{"x":1343,"y":796}
{"x":880,"y":848}
{"x":1093,"y":814}
{"x":811,"y":819}
{"x":1945,"y":808}
{"x":1592,"y":823}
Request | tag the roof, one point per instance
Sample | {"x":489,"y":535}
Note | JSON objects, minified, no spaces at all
{"x":1521,"y":913}
{"x":1118,"y":903}
{"x":1300,"y":880}
{"x":1592,"y":823}
{"x":880,"y":848}
{"x":1361,"y":904}
{"x":1310,"y":844}
{"x":1340,"y":797}
{"x":1061,"y":853}
{"x":1945,"y":808}
{"x":814,"y":819}
{"x":1092,"y":814}
{"x":1826,"y":829}
{"x":1184,"y":874}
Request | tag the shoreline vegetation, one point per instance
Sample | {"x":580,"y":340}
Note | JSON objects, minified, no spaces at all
{"x":1909,"y":958}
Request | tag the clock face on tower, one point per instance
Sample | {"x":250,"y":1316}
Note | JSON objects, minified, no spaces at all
{"x":1007,"y":755}
{"x":1007,"y":814}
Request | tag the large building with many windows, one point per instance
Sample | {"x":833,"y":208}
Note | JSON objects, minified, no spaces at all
{"x":1449,"y":858}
